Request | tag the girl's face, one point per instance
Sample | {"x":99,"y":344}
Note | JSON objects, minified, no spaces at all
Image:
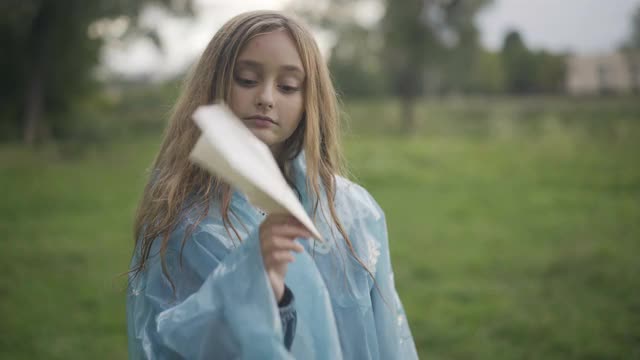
{"x":267,"y":88}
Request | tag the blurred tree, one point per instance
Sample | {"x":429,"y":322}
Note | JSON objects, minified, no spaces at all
{"x":354,"y":58}
{"x":634,"y":40}
{"x":463,"y":51}
{"x":415,"y":47}
{"x":424,"y":38}
{"x":631,"y":49}
{"x":48,"y":56}
{"x":487,"y":73}
{"x":531,"y":72}
{"x":355,"y":64}
{"x":550,"y":72}
{"x":519,"y":64}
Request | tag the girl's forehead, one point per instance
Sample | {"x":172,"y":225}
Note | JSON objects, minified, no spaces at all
{"x":275,"y":50}
{"x":258,"y":66}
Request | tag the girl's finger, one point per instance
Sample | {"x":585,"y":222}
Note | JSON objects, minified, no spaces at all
{"x":280,"y":257}
{"x":291,"y":220}
{"x":278,"y":218}
{"x":291,"y":231}
{"x":281,"y":243}
{"x":285,"y":219}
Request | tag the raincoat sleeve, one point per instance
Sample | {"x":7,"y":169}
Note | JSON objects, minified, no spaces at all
{"x":392,"y":329}
{"x":223,"y":306}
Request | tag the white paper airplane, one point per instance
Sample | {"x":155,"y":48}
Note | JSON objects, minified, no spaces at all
{"x":229,"y":150}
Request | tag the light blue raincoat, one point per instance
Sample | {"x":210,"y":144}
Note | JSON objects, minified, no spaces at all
{"x":224,"y":308}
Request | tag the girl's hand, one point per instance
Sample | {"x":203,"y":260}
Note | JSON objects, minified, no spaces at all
{"x":277,"y":235}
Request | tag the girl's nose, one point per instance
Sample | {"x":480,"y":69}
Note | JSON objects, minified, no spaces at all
{"x":265,"y":97}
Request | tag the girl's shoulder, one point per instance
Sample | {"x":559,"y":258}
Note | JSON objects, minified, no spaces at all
{"x":355,"y":202}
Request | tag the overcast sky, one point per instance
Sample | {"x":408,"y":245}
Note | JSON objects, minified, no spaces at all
{"x":582,"y":26}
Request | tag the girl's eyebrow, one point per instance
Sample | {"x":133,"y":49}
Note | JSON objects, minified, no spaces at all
{"x":255,"y":64}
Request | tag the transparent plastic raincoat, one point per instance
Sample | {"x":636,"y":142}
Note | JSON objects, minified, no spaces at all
{"x":223,"y":306}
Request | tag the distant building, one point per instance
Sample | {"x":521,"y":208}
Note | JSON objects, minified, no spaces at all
{"x":616,"y":73}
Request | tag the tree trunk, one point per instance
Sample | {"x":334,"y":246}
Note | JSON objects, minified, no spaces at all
{"x":33,"y":111}
{"x":408,"y":114}
{"x":33,"y":114}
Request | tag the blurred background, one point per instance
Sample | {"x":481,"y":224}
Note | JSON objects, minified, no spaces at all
{"x":501,"y":137}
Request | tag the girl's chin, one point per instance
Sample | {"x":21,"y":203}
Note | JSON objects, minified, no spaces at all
{"x":274,"y":147}
{"x":267,"y":139}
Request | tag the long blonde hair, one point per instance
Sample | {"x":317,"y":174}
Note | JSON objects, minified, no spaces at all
{"x":175,"y":180}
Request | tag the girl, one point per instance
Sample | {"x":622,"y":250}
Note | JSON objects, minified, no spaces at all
{"x":214,"y":277}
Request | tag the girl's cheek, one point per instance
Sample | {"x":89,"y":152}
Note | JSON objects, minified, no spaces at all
{"x":244,"y":96}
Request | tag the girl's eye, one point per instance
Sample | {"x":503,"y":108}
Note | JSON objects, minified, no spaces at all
{"x":289,"y":89}
{"x":246,"y":82}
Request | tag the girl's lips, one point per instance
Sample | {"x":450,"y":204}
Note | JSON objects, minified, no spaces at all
{"x":260,"y":121}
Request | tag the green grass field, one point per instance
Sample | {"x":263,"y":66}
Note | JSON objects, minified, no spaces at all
{"x":514,"y":236}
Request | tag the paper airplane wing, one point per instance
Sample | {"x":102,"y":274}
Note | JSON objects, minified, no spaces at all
{"x":230,"y":151}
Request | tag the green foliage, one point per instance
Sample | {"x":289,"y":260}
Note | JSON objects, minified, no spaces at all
{"x":119,"y":111}
{"x":495,"y":117}
{"x":487,"y":74}
{"x":48,"y":58}
{"x":531,"y":72}
{"x":428,"y":48}
{"x":46,"y":40}
{"x":410,"y":46}
{"x":430,"y":43}
{"x":355,"y":66}
{"x":464,"y":55}
{"x":518,"y":63}
{"x":550,"y":72}
{"x":355,"y":58}
{"x":416,"y":47}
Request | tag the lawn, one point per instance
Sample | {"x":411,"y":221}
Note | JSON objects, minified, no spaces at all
{"x":513,"y":236}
